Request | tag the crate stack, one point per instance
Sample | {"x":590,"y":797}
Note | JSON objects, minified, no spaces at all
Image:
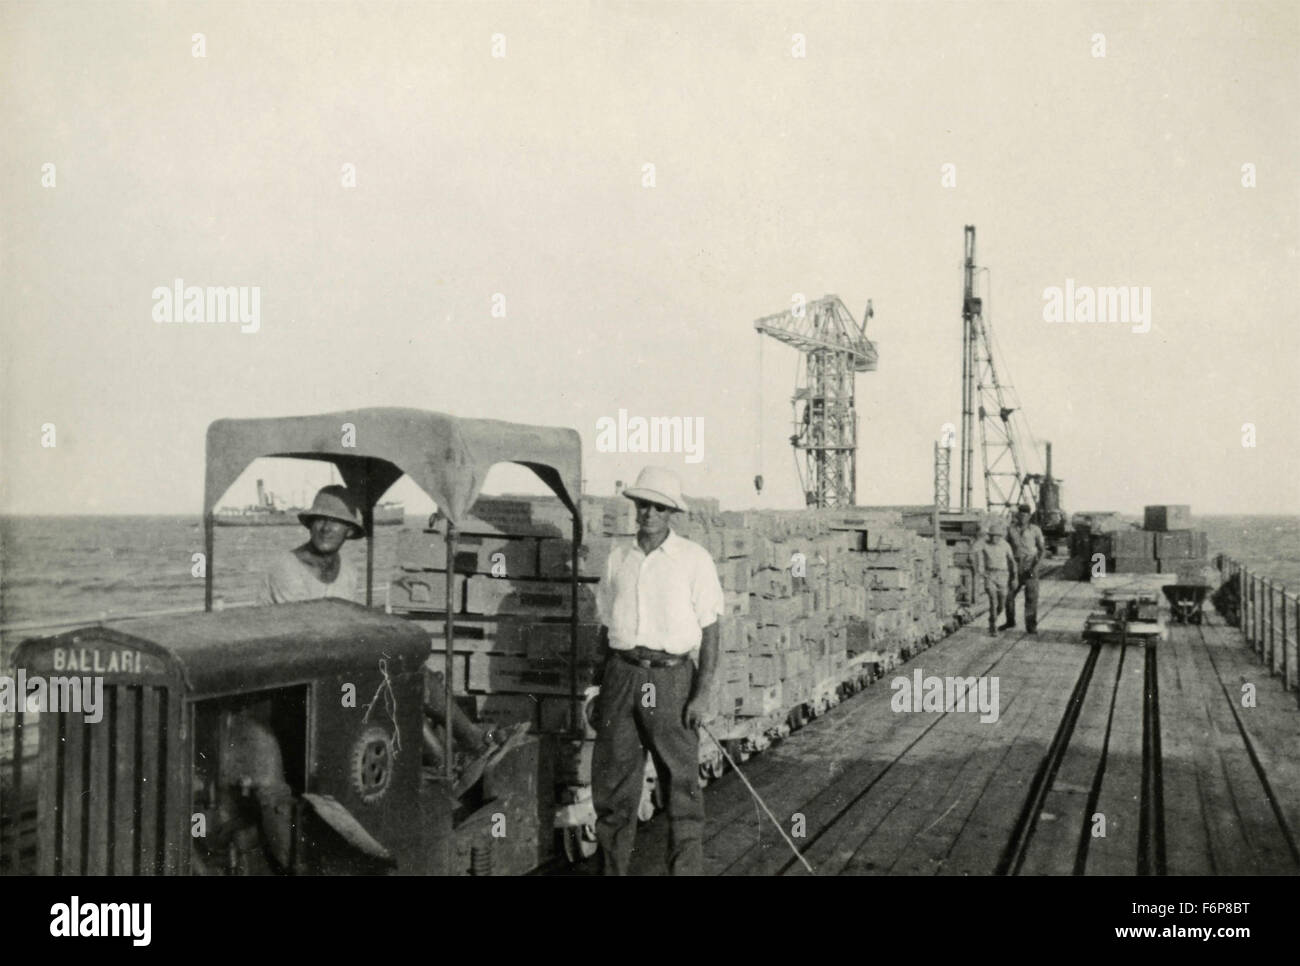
{"x":804,"y":591}
{"x":1178,"y":548}
{"x":1166,"y":543}
{"x":959,"y":531}
{"x":512,"y":598}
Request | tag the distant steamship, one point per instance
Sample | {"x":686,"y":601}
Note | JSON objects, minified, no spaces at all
{"x":270,"y":511}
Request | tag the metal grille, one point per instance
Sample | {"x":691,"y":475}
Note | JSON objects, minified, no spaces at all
{"x":108,"y":794}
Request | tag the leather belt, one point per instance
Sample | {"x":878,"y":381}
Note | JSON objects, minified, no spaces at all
{"x":666,"y":661}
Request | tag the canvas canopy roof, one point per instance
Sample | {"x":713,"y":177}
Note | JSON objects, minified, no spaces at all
{"x":448,"y":457}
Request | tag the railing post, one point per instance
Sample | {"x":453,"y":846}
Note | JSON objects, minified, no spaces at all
{"x":1272,"y":624}
{"x":1248,"y":587}
{"x":1284,"y":648}
{"x":1256,"y":621}
{"x":1241,"y":599}
{"x":1297,"y":648}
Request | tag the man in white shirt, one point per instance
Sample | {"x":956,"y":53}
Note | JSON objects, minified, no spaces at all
{"x":317,"y":569}
{"x":659,"y":600}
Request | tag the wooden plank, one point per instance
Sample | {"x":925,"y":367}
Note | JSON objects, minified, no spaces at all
{"x":975,"y":832}
{"x":968,"y":653}
{"x":818,"y":769}
{"x":125,"y":779}
{"x":1054,"y":846}
{"x":973,"y":838}
{"x":1272,"y":726}
{"x":1120,"y":801}
{"x":1231,"y":850}
{"x":1188,"y":848}
{"x":1267,"y":836}
{"x":948,"y":789}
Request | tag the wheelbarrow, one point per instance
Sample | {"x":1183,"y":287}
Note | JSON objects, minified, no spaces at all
{"x":1186,"y":601}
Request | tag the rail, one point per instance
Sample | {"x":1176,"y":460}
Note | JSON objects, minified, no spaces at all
{"x":1269,"y":617}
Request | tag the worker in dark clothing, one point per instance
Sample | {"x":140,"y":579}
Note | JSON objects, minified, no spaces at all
{"x":1027,"y":544}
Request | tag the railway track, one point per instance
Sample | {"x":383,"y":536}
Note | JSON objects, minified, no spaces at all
{"x":1150,"y":854}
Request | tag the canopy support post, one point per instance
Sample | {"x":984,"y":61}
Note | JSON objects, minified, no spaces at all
{"x":450,"y":636}
{"x":575,"y":713}
{"x":208,"y":544}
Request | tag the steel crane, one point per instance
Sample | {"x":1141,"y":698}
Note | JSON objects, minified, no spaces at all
{"x":834,"y":348}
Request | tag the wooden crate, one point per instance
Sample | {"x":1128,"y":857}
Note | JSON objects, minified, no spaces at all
{"x":1169,"y":516}
{"x":425,"y":592}
{"x":492,"y":596}
{"x":761,"y":700}
{"x":514,"y":675}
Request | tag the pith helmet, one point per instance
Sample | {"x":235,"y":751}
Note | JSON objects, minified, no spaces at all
{"x":657,"y":485}
{"x":334,"y":502}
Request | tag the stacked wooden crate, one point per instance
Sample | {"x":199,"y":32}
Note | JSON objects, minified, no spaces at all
{"x":804,"y":592}
{"x":1179,"y":549}
{"x":1166,"y":544}
{"x":512,"y":599}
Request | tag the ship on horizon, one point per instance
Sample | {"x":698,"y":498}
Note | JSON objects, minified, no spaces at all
{"x":270,"y":511}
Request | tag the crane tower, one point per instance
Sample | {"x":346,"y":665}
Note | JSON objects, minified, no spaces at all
{"x":835,"y":348}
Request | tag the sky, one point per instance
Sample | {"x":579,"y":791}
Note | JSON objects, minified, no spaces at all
{"x":385,"y":183}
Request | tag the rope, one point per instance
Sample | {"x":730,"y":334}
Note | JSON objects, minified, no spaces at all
{"x":390,"y":704}
{"x":723,"y":748}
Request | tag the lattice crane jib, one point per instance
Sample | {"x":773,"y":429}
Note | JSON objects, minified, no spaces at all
{"x":984,"y":395}
{"x":834,"y":348}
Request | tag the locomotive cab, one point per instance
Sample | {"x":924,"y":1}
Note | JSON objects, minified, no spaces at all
{"x":254,"y":740}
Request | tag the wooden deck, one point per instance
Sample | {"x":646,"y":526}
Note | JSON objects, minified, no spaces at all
{"x":1187,"y":779}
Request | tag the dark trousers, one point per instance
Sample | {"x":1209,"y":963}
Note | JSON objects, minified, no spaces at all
{"x":996,"y":585}
{"x":1030,"y":584}
{"x":635,"y":719}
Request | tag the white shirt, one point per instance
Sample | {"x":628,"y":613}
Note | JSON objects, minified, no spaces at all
{"x":289,"y":580}
{"x":662,"y":600}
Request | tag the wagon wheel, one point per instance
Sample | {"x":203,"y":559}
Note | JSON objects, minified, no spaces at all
{"x":579,"y":843}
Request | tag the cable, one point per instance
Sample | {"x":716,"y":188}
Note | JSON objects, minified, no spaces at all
{"x":758,"y":799}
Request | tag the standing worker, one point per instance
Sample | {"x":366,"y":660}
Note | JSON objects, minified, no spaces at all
{"x":1028,"y":546}
{"x":659,"y":600}
{"x":997,"y":564}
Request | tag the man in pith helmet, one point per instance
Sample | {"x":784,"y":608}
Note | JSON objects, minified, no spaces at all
{"x":660,"y":599}
{"x":316,"y":568}
{"x":995,"y":562}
